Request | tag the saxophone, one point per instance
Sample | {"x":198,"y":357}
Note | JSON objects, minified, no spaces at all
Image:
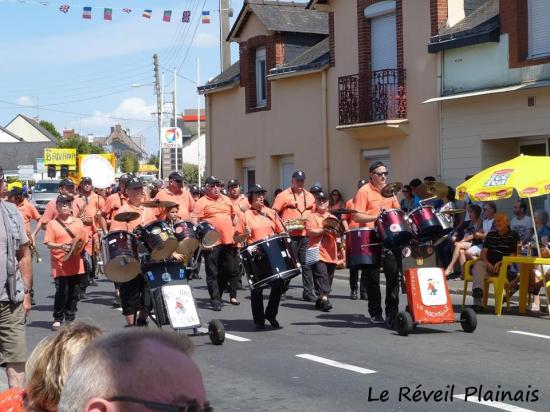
{"x":34,"y":250}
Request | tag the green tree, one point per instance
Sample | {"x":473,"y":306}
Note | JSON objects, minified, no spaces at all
{"x":50,"y":128}
{"x":153,"y":160}
{"x":129,"y":163}
{"x":190,"y":173}
{"x":81,"y":145}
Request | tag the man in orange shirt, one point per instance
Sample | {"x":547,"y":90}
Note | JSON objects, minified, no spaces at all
{"x":354,"y":271}
{"x":370,"y":202}
{"x":26,"y":209}
{"x":114,"y":202}
{"x":177,"y":193}
{"x":297,"y":203}
{"x":61,"y":233}
{"x":218,"y":210}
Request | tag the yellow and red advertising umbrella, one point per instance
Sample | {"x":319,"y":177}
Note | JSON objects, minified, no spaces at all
{"x":529,"y":176}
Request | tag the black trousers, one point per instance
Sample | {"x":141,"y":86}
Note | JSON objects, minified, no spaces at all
{"x":88,"y":276}
{"x":220,"y":264}
{"x":131,"y":295}
{"x":323,"y":274}
{"x":392,"y":264}
{"x":298,"y":245}
{"x":444,"y":253}
{"x":257,"y":302}
{"x":354,"y":278}
{"x":66,"y":297}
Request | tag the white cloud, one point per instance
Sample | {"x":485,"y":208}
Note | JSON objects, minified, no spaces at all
{"x":206,"y":40}
{"x":25,"y":101}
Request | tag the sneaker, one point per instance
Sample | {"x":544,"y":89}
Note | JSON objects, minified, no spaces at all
{"x":56,"y":325}
{"x":92,"y":282}
{"x":390,"y":322}
{"x":533,"y":307}
{"x":326,"y":305}
{"x":141,"y":322}
{"x":283,"y":296}
{"x":216,"y":305}
{"x":353,"y":294}
{"x":363,"y":296}
{"x":377,"y":320}
{"x":318,"y":303}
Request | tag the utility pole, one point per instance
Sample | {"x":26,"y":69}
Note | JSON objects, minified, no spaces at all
{"x":175,"y":119}
{"x":198,"y":124}
{"x":159,"y":109}
{"x":225,"y":48}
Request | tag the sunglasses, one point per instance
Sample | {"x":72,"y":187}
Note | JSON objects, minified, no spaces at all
{"x":164,"y":407}
{"x":215,"y":185}
{"x":380,"y":174}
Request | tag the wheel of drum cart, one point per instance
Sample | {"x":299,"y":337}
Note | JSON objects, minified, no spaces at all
{"x":468,"y":320}
{"x":403,"y":323}
{"x":216,"y":331}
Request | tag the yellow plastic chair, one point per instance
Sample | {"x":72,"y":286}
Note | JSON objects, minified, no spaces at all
{"x":467,"y":273}
{"x":499,"y":282}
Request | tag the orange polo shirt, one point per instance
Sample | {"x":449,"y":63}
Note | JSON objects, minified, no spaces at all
{"x":50,"y":213}
{"x":55,"y":233}
{"x":262,"y":224}
{"x":303,"y":205}
{"x":28,"y":212}
{"x":147,"y":215}
{"x":12,"y":400}
{"x":184,"y":200}
{"x":240,"y":204}
{"x":352,"y":224}
{"x":219,"y":213}
{"x":328,"y":250}
{"x":113,"y":203}
{"x":369,"y":199}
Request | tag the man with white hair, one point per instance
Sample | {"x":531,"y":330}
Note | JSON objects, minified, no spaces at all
{"x":135,"y":370}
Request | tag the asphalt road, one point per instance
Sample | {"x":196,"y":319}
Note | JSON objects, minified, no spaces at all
{"x":339,"y":361}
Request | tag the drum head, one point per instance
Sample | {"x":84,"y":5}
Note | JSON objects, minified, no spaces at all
{"x":164,"y":249}
{"x":122,"y":269}
{"x":188,"y":246}
{"x":210,"y":239}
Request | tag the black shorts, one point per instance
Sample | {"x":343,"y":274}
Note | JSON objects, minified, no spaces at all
{"x":131,"y":295}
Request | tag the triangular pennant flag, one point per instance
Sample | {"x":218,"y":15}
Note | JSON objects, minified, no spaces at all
{"x":64,"y":8}
{"x":167,"y":15}
{"x":205,"y":17}
{"x":186,"y":16}
{"x":147,"y":13}
{"x":87,"y":13}
{"x":107,"y":14}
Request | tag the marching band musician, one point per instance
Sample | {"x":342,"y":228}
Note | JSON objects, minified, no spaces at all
{"x":370,"y":202}
{"x":177,"y":193}
{"x":114,"y":202}
{"x":297,"y":203}
{"x":325,"y":239}
{"x":240,"y":205}
{"x":354,"y":271}
{"x":65,"y":234}
{"x":257,"y":223}
{"x":26,"y":209}
{"x":218,"y":210}
{"x":131,"y":292}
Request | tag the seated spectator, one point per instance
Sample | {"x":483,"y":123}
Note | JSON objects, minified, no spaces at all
{"x":541,"y":225}
{"x":443,"y":248}
{"x":136,"y":369}
{"x":539,"y":278}
{"x":521,"y":223}
{"x":47,"y":368}
{"x":461,"y":247}
{"x":336,"y":201}
{"x":407,"y":203}
{"x":498,"y":243}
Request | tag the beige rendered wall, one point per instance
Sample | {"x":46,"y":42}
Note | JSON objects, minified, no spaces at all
{"x":253,"y":27}
{"x":23,"y":129}
{"x":291,"y":127}
{"x":412,"y":156}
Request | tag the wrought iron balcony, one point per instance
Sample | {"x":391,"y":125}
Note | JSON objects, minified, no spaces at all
{"x":371,"y":97}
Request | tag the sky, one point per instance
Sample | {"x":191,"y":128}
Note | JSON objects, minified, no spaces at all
{"x":82,"y":74}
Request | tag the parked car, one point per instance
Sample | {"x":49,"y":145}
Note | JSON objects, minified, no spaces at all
{"x":43,"y":192}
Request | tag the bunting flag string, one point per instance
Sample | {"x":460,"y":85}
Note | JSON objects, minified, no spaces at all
{"x":67,"y":8}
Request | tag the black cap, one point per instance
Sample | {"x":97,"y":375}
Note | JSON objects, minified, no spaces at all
{"x":63,"y":199}
{"x":233,"y":183}
{"x":321,"y":196}
{"x":124,"y":178}
{"x":66,"y":182}
{"x":195,"y":190}
{"x":256,"y":188}
{"x":176,"y":176}
{"x":316,"y":188}
{"x":299,"y":174}
{"x":134,"y":182}
{"x":15,"y":191}
{"x":361,"y":183}
{"x":86,"y":179}
{"x":210,"y":180}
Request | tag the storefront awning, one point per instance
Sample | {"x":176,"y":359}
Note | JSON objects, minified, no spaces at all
{"x":523,"y":86}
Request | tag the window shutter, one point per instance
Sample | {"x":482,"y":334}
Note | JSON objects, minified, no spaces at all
{"x":539,"y":28}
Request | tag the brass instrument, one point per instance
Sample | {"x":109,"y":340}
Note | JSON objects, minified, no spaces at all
{"x":294,"y":224}
{"x":34,"y":252}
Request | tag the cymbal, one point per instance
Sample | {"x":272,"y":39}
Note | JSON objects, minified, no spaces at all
{"x":159,"y":203}
{"x":391,"y":189}
{"x":126,"y":216}
{"x":440,"y":190}
{"x":453,"y":211}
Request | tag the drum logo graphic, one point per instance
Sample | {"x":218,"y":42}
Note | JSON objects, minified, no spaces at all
{"x":395,"y":227}
{"x":432,"y":287}
{"x":499,"y":178}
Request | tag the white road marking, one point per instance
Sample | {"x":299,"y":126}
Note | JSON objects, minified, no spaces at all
{"x":536,"y":335}
{"x":498,"y":405}
{"x":228,"y":336}
{"x":336,"y":364}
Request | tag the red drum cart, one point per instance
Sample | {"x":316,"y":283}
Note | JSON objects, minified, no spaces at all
{"x":429,"y":302}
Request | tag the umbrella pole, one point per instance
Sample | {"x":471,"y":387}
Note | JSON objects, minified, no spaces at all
{"x":534,"y":227}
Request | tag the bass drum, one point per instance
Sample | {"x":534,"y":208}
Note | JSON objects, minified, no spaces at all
{"x":393,"y":228}
{"x":207,"y":234}
{"x":269,"y":260}
{"x":120,"y":256}
{"x":363,"y":247}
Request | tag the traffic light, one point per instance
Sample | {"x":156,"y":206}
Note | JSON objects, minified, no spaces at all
{"x":64,"y":171}
{"x":51,"y":171}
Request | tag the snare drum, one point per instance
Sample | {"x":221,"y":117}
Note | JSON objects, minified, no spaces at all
{"x":186,"y":237}
{"x":269,"y":260}
{"x":393,"y":228}
{"x":159,"y":239}
{"x":425,"y":224}
{"x":207,"y":234}
{"x":120,"y":256}
{"x":363,"y":247}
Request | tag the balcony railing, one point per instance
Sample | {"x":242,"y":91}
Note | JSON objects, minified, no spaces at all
{"x":372,"y":96}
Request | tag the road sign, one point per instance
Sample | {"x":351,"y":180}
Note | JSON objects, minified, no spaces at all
{"x":25,"y":172}
{"x":171,"y":137}
{"x":40,"y":168}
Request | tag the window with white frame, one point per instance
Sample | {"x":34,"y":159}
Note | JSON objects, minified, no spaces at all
{"x":261,"y":78}
{"x":539,"y":28}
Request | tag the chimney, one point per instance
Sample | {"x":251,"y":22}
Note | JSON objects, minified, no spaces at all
{"x":455,"y":12}
{"x":438,"y":14}
{"x":112,"y":129}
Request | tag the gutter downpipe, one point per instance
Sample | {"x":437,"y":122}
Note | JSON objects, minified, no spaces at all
{"x":324,"y":109}
{"x":207,"y":136}
{"x":439,"y":82}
